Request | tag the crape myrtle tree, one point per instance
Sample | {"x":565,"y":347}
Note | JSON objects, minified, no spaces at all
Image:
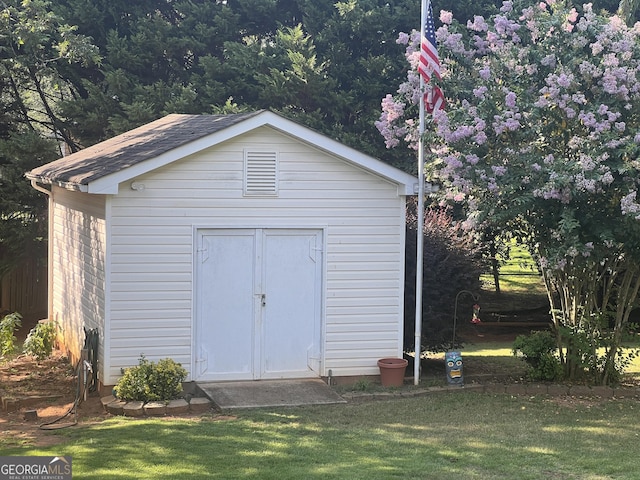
{"x":540,"y":136}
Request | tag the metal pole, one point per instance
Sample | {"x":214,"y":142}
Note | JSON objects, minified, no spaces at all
{"x":420,"y":226}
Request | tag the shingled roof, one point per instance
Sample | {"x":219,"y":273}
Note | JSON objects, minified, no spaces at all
{"x":133,"y":147}
{"x":100,"y":169}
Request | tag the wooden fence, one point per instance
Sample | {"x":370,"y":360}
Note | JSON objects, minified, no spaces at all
{"x":24,"y":289}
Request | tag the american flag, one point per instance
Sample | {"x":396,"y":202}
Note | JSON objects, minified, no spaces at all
{"x":429,"y":61}
{"x":434,"y":99}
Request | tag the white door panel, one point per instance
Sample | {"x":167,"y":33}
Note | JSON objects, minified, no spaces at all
{"x":258,"y":304}
{"x":291,"y":311}
{"x":225,"y":304}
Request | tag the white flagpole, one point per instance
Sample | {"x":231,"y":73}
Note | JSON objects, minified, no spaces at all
{"x":420,"y":226}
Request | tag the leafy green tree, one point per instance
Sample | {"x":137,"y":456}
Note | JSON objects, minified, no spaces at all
{"x":152,"y":53}
{"x":540,"y":136}
{"x":36,"y":50}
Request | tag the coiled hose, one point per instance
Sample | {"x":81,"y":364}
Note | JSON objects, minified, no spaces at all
{"x":90,"y":383}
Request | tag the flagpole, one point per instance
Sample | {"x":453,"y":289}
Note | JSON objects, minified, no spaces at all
{"x":420,"y":225}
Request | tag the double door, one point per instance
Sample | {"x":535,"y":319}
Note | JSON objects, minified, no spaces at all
{"x":258,"y":302}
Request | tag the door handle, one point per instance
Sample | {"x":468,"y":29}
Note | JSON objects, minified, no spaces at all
{"x":263,"y":299}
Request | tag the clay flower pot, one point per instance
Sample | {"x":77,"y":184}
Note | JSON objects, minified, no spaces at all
{"x":392,"y":371}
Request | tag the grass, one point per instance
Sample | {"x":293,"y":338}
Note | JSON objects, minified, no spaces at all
{"x":462,"y":435}
{"x":498,"y":356}
{"x":518,"y":274}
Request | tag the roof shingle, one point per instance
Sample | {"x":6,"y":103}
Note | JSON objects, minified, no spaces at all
{"x":133,"y":147}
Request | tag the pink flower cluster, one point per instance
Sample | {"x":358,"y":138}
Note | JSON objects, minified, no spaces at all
{"x":543,"y":112}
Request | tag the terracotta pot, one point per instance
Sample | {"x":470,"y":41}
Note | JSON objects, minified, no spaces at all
{"x":392,"y":371}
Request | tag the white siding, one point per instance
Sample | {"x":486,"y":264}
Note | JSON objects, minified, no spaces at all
{"x":152,"y":248}
{"x":78,"y":255}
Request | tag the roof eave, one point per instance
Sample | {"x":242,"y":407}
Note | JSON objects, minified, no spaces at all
{"x":73,"y":186}
{"x":109,"y":184}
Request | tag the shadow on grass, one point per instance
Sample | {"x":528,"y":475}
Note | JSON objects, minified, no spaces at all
{"x":461,"y":435}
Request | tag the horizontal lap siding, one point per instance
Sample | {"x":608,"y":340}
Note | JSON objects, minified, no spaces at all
{"x":78,"y":255}
{"x":152,"y":248}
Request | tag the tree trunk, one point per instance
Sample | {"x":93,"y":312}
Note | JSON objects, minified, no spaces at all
{"x":627,"y":10}
{"x":495,"y":268}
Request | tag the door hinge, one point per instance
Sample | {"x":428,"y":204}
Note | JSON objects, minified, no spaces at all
{"x":203,"y":251}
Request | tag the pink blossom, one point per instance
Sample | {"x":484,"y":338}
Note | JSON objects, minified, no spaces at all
{"x":564,"y":80}
{"x":507,"y":6}
{"x":549,"y":60}
{"x":499,"y":170}
{"x":473,"y":159}
{"x":480,"y":92}
{"x":485,"y":72}
{"x":607,"y":178}
{"x":446,"y":17}
{"x":629,"y":206}
{"x":403,"y":38}
{"x":480,"y":138}
{"x":478,"y":25}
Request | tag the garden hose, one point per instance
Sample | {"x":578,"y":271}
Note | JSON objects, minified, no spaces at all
{"x":53,"y":425}
{"x":91,"y":346}
{"x":90,"y":384}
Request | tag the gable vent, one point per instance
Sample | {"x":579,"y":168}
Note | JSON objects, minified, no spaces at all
{"x":260,"y":172}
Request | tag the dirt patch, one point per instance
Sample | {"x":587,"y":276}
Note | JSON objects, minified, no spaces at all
{"x":49,"y":388}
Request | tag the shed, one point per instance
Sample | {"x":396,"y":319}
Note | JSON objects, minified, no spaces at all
{"x":243,"y":246}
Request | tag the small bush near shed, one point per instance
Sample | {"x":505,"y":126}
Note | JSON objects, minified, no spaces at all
{"x":150,"y":381}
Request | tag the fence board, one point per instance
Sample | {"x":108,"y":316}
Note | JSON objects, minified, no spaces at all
{"x":24,"y":289}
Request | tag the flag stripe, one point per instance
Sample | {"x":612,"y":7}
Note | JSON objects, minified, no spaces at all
{"x":434,"y":99}
{"x":429,"y":60}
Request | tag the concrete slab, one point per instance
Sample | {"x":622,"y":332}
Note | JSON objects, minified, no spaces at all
{"x":270,"y":393}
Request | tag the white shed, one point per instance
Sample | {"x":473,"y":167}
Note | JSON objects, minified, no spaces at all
{"x":243,"y":246}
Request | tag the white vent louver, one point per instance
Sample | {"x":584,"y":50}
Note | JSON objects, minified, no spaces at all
{"x":260,"y":172}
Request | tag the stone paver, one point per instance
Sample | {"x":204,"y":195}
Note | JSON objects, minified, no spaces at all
{"x":557,"y":390}
{"x":199,"y":405}
{"x":133,"y":409}
{"x":116,"y":407}
{"x":155,"y":409}
{"x":177,"y":407}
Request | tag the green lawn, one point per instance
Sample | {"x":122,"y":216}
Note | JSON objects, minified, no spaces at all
{"x":459,"y":435}
{"x":518,"y":274}
{"x":501,"y":354}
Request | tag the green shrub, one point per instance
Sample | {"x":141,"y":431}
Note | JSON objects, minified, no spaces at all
{"x":538,"y":351}
{"x":39,"y":341}
{"x":8,"y":325}
{"x":150,"y":381}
